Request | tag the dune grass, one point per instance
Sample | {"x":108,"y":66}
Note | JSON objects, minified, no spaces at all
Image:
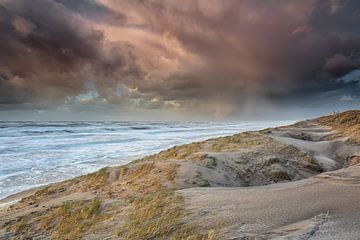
{"x":346,"y":123}
{"x":158,"y":215}
{"x":211,"y":162}
{"x":74,"y":218}
{"x":95,"y":180}
{"x":177,"y":152}
{"x":279,"y":176}
{"x":67,"y":221}
{"x":240,"y":141}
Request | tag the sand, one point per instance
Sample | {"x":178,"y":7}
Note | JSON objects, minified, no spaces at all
{"x":273,"y":211}
{"x":321,"y":207}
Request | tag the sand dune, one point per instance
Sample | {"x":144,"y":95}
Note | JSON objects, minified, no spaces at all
{"x":322,"y":207}
{"x":295,"y":209}
{"x":293,"y":182}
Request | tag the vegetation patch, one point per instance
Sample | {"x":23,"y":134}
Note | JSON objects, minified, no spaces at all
{"x":354,"y":160}
{"x":158,"y":216}
{"x":171,"y":172}
{"x":21,"y":225}
{"x":346,"y":123}
{"x":74,"y":218}
{"x":68,"y":221}
{"x":177,"y":152}
{"x":292,"y":150}
{"x":239,"y":141}
{"x":95,"y":180}
{"x":279,"y":176}
{"x":271,"y":161}
{"x":211,"y":162}
{"x":138,"y":170}
{"x":313,"y":165}
{"x":200,"y":181}
{"x":45,"y":192}
{"x":145,"y":176}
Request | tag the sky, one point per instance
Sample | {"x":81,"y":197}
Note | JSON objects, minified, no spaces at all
{"x":178,"y":60}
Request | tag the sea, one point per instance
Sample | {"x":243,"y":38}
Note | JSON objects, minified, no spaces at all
{"x":33,"y":154}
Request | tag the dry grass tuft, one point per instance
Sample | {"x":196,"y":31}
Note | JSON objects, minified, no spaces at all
{"x":271,"y":161}
{"x":139,"y":170}
{"x":95,"y":180}
{"x":171,"y":172}
{"x":68,"y":221}
{"x":74,"y":218}
{"x":239,"y":141}
{"x":346,"y":123}
{"x":312,"y":164}
{"x":177,"y":152}
{"x":211,"y":162}
{"x":279,"y":176}
{"x":158,"y":216}
{"x":45,"y":192}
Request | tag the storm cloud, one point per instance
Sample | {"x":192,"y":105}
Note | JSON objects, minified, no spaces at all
{"x":217,"y":58}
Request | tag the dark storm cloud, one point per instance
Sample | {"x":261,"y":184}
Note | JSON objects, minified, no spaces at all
{"x":47,"y":52}
{"x":201,"y":54}
{"x":265,"y":47}
{"x":94,"y":10}
{"x":339,"y":65}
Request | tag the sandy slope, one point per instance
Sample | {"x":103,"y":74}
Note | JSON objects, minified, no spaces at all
{"x":330,"y":154}
{"x":289,"y":209}
{"x":321,"y":207}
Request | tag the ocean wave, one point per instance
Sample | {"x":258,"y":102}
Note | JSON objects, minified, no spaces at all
{"x":140,"y":128}
{"x":47,"y":131}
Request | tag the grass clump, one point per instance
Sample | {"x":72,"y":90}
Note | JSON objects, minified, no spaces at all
{"x":68,"y":221}
{"x":346,"y":123}
{"x":279,"y":176}
{"x":177,"y":152}
{"x":271,"y":161}
{"x":171,"y":172}
{"x":74,"y":218}
{"x":45,"y":192}
{"x":240,"y":141}
{"x":96,"y":180}
{"x":291,"y":150}
{"x":157,"y":216}
{"x":313,"y":165}
{"x":354,"y":160}
{"x":211,"y":162}
{"x":139,"y":170}
{"x":21,"y":225}
{"x":200,"y":181}
{"x":146,"y":176}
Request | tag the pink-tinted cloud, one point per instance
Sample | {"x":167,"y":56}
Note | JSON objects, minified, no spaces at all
{"x":214,"y":56}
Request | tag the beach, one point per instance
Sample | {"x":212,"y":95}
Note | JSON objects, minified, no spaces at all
{"x":34,"y":154}
{"x":300,"y":181}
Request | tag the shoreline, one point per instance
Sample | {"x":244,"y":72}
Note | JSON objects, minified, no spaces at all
{"x":15,"y":197}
